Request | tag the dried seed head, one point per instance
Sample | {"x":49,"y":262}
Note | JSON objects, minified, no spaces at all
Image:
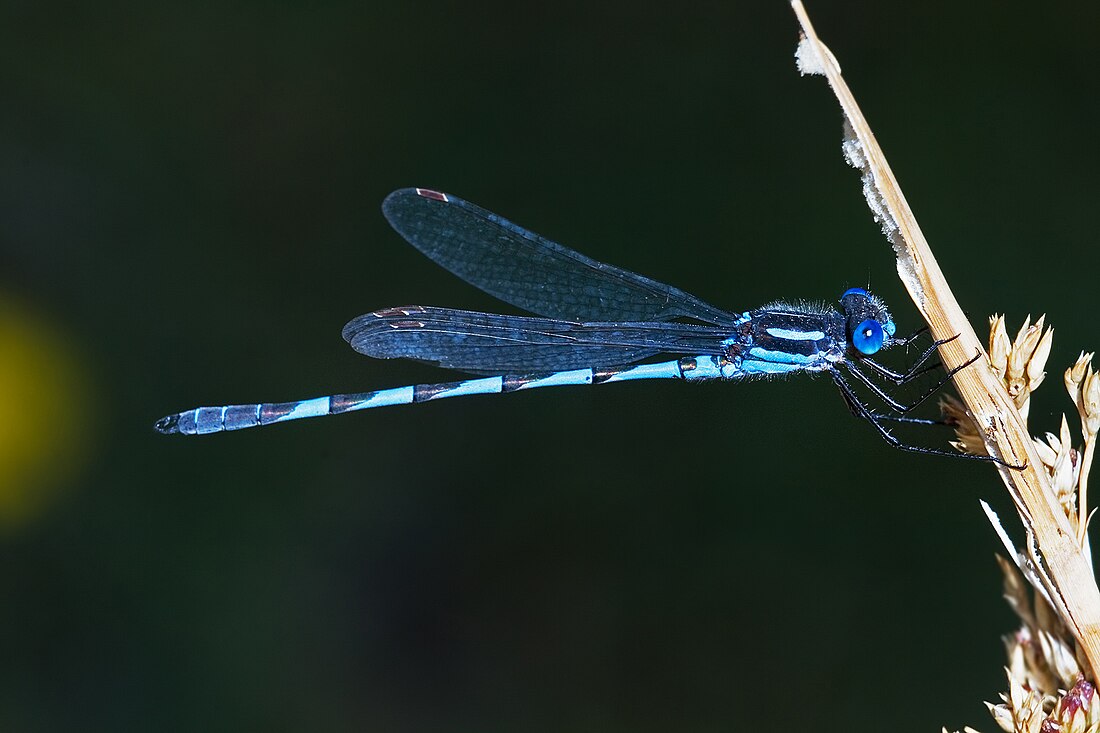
{"x":1078,"y":710}
{"x":1076,"y":373}
{"x":1002,"y":715}
{"x":1048,"y":454}
{"x":1063,"y":465}
{"x":1042,"y":666}
{"x":1060,"y":658}
{"x":968,"y":439}
{"x":1040,"y":657}
{"x":1038,"y":361}
{"x":1026,"y":710}
{"x":1090,"y":403}
{"x":999,"y":345}
{"x":1083,"y":386}
{"x":1026,"y":359}
{"x":1019,"y":363}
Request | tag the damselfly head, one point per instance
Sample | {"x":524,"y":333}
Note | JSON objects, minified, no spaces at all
{"x":868,"y":322}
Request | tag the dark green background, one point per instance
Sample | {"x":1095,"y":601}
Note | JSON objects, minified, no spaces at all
{"x":191,"y":196}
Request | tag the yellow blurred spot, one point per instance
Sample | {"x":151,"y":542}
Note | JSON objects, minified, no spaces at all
{"x":41,"y":413}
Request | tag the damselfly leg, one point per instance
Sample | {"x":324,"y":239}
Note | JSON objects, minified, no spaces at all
{"x":918,"y":367}
{"x":853,"y":369}
{"x":858,"y":408}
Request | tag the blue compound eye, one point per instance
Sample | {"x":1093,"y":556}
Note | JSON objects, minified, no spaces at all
{"x":867,"y":337}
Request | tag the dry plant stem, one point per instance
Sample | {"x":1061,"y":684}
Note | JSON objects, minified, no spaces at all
{"x":1052,"y":542}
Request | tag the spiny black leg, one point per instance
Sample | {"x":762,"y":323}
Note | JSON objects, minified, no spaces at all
{"x":900,"y":379}
{"x":912,"y":337}
{"x":915,"y":370}
{"x":913,"y":420}
{"x":861,"y":410}
{"x":894,"y":404}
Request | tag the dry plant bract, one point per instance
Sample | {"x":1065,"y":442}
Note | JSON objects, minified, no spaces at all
{"x":1049,"y":580}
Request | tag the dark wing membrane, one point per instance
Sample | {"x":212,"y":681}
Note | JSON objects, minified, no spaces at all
{"x":531,"y":272}
{"x":484,"y":342}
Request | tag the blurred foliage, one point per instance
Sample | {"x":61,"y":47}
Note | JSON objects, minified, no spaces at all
{"x":44,"y":414}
